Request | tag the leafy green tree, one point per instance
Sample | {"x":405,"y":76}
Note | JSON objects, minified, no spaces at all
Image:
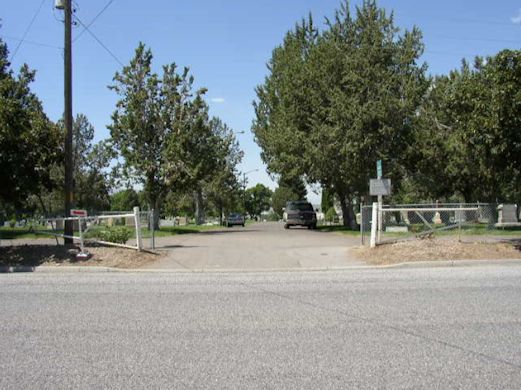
{"x":327,"y":200}
{"x":281,"y":196}
{"x":223,"y":188}
{"x":90,"y":164}
{"x":29,"y":142}
{"x":124,"y":200}
{"x":336,"y":101}
{"x":151,"y":113}
{"x":466,"y":139}
{"x":258,"y":199}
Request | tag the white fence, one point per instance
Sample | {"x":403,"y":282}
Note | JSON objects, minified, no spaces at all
{"x":83,"y":228}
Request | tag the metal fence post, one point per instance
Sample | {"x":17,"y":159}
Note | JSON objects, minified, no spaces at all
{"x":80,"y":230}
{"x":139,"y":242}
{"x":152,"y":224}
{"x":374,"y":224}
{"x":362,"y":223}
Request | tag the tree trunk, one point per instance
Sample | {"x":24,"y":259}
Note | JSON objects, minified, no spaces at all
{"x":348,"y":215}
{"x":199,"y":208}
{"x":220,"y":214}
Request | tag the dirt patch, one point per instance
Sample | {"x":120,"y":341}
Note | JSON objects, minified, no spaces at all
{"x":438,"y":249}
{"x":35,"y":255}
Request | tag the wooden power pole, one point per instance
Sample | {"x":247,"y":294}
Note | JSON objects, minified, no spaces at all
{"x":68,"y":226}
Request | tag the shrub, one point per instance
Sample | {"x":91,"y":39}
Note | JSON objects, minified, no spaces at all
{"x":331,"y":215}
{"x":12,"y":223}
{"x":118,"y":235}
{"x":272,"y":217}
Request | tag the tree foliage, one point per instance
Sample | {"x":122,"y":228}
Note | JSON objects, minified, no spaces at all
{"x":337,"y":100}
{"x":258,"y":199}
{"x":163,"y":133}
{"x":29,"y":142}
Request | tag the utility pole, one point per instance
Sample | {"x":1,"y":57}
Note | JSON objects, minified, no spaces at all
{"x":68,"y":226}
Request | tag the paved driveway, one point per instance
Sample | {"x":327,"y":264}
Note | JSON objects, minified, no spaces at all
{"x":258,"y":246}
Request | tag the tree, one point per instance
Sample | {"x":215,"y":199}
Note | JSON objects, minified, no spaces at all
{"x":90,"y":163}
{"x":124,"y":200}
{"x":258,"y":199}
{"x":29,"y":142}
{"x":467,"y":139}
{"x":223,"y":188}
{"x":334,"y":102}
{"x":281,"y":196}
{"x":150,"y":114}
{"x":327,"y":200}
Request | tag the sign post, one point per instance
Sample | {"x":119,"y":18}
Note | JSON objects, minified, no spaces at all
{"x":380,"y":198}
{"x":379,"y":187}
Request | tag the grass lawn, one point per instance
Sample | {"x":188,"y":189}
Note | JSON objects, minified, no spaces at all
{"x":8,"y":233}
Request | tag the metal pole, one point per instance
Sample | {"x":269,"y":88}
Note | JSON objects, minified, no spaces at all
{"x":139,"y":242}
{"x":374,"y":225}
{"x":153,"y":230}
{"x":459,"y":226}
{"x":362,"y":223}
{"x":68,"y":226}
{"x":380,"y":217}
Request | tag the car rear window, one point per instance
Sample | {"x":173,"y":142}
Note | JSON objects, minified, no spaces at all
{"x":300,"y":207}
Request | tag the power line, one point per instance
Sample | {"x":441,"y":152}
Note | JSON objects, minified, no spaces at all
{"x":99,"y":41}
{"x":31,"y":42}
{"x":93,"y":20}
{"x":27,"y":29}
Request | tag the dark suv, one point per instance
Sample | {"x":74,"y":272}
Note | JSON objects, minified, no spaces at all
{"x":299,"y":213}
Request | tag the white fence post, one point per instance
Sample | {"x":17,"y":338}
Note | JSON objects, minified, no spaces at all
{"x":139,"y":243}
{"x":374,"y":224}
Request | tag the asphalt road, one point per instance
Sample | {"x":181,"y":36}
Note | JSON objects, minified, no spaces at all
{"x":440,"y":328}
{"x":258,"y":246}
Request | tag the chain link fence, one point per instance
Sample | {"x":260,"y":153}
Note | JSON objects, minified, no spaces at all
{"x":467,"y":221}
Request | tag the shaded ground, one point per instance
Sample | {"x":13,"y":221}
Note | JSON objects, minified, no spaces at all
{"x":35,"y":255}
{"x":446,"y":248}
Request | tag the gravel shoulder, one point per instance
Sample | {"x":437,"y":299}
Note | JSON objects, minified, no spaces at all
{"x":59,"y":255}
{"x":438,"y":249}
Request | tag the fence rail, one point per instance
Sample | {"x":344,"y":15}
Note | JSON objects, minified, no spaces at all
{"x":93,"y":229}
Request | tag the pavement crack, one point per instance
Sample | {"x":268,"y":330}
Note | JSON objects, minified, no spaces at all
{"x":398,"y":329}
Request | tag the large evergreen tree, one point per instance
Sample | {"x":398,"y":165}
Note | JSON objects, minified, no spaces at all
{"x":29,"y":142}
{"x":335,"y":102}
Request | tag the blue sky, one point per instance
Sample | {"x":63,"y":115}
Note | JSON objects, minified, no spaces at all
{"x":226,"y":43}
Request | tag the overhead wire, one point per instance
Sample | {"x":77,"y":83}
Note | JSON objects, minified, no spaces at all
{"x":27,"y":29}
{"x":99,"y":41}
{"x":93,"y":20}
{"x":31,"y":42}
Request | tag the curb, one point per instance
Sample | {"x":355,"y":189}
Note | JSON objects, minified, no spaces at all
{"x":410,"y":265}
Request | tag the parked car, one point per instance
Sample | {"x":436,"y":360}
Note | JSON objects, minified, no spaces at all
{"x":235,"y":219}
{"x":299,"y":213}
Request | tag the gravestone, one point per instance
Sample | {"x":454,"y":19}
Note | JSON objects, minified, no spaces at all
{"x":507,"y":213}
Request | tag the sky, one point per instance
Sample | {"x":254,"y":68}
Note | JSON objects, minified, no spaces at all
{"x":226,"y":44}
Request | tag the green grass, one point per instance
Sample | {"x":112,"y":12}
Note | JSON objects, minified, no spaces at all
{"x":187,"y":229}
{"x":8,"y":233}
{"x":19,"y":232}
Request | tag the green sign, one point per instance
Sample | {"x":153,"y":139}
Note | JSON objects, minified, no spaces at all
{"x":379,"y":169}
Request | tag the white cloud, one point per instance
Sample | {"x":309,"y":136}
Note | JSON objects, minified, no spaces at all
{"x":218,"y":100}
{"x":516,"y":19}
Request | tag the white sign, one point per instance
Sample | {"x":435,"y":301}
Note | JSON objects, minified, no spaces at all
{"x":379,"y":187}
{"x":78,"y":213}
